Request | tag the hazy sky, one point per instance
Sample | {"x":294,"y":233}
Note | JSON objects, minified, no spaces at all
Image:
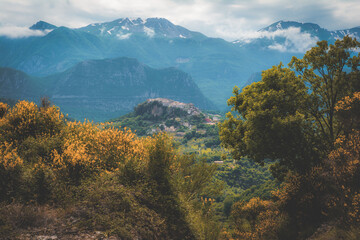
{"x":229,"y":19}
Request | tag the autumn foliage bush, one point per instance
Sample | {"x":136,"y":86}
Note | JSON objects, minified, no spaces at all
{"x":38,"y":141}
{"x":257,"y":219}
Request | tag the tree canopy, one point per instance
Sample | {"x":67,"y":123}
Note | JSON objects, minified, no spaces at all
{"x":289,"y":116}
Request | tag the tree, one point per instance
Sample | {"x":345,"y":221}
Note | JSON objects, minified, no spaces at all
{"x":289,"y":116}
{"x":331,"y":73}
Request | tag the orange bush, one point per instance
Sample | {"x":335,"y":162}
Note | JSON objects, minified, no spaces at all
{"x":26,"y":119}
{"x":87,"y":149}
{"x":343,"y":170}
{"x":257,"y":219}
{"x":33,"y":137}
{"x":9,"y":158}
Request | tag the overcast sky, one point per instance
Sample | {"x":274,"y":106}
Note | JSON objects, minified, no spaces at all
{"x":228,"y":19}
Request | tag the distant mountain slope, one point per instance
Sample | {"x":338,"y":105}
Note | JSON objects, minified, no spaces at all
{"x":16,"y":85}
{"x":58,"y":50}
{"x":103,"y":89}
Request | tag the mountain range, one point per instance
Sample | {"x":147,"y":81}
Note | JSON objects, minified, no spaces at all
{"x":215,"y":65}
{"x":103,"y":89}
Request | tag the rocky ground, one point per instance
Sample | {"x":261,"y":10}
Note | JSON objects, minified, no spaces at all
{"x":27,"y":222}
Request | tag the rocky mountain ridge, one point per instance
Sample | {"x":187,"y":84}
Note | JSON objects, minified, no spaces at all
{"x":187,"y":107}
{"x":41,"y":25}
{"x":123,"y":28}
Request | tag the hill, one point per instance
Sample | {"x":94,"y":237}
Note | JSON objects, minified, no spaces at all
{"x":161,"y":114}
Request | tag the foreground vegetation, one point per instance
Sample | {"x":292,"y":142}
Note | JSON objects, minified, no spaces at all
{"x":106,"y":180}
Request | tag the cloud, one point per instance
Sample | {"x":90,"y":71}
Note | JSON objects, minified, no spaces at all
{"x":347,"y":11}
{"x":284,"y":40}
{"x":123,"y":36}
{"x":20,"y":32}
{"x":149,"y":31}
{"x":295,"y":40}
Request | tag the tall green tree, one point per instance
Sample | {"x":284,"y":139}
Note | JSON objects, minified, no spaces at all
{"x":289,"y":116}
{"x":331,"y":72}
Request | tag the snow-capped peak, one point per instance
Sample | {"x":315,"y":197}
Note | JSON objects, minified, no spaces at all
{"x":151,"y":27}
